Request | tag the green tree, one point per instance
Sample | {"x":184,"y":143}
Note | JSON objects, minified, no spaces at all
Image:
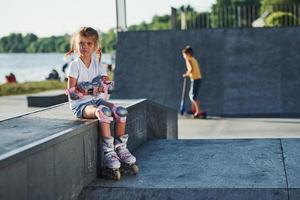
{"x":234,"y":13}
{"x":29,"y":38}
{"x":277,"y":19}
{"x":30,"y":43}
{"x":157,"y":23}
{"x":15,"y":43}
{"x":276,"y":5}
{"x":282,"y":12}
{"x":139,"y":27}
{"x":4,"y":45}
{"x":109,"y":41}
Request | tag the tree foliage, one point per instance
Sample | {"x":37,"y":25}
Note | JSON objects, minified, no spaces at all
{"x":30,"y":43}
{"x":109,"y":41}
{"x":157,"y":23}
{"x":277,"y":19}
{"x":276,"y":5}
{"x":227,"y":13}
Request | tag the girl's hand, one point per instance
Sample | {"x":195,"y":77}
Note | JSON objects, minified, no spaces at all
{"x":104,"y":78}
{"x":101,"y":89}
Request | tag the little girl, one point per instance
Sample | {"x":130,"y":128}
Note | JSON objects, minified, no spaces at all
{"x":86,"y":79}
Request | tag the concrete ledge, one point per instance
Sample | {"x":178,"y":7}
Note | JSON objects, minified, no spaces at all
{"x":46,"y":99}
{"x":51,"y":155}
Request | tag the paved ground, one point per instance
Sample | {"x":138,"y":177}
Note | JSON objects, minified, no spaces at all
{"x":11,"y":106}
{"x":15,"y":105}
{"x":228,"y":128}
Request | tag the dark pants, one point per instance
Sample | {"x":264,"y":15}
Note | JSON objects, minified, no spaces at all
{"x":194,"y":89}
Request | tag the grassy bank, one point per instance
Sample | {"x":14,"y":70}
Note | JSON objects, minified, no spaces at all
{"x":30,"y":87}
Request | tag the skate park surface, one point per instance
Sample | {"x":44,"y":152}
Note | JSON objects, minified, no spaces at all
{"x":197,"y":166}
{"x":215,"y":158}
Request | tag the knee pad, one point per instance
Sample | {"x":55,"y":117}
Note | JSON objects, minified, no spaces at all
{"x":120,"y":113}
{"x":105,"y":114}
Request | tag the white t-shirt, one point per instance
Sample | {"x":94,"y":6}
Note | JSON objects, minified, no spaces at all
{"x":78,"y":70}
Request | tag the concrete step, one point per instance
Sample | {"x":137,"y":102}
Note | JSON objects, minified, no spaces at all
{"x":46,"y":99}
{"x":208,"y":169}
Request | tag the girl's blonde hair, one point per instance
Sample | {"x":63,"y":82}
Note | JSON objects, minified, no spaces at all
{"x":88,"y":32}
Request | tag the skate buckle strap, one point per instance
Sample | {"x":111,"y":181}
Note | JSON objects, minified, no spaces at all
{"x":120,"y":146}
{"x":124,"y":153}
{"x":111,"y":154}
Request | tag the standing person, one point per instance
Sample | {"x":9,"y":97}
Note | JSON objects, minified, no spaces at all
{"x":86,"y":79}
{"x":194,"y":72}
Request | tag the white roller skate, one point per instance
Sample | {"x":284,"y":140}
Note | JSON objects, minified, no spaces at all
{"x":111,"y":163}
{"x":127,"y":159}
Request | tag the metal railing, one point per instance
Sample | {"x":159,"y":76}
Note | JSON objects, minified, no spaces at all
{"x":239,"y":16}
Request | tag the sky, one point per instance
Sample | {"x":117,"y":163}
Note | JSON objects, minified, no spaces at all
{"x":57,"y":17}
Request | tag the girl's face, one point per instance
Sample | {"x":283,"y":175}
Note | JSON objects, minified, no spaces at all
{"x":85,"y":46}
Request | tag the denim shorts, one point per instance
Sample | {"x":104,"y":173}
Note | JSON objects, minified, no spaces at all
{"x":78,"y":111}
{"x":194,"y":89}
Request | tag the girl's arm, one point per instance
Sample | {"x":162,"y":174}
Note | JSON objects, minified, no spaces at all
{"x":71,"y":82}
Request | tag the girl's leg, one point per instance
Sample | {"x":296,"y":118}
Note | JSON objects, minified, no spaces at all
{"x":120,"y":126}
{"x":90,"y":112}
{"x":120,"y":129}
{"x":111,"y":163}
{"x":121,"y":138}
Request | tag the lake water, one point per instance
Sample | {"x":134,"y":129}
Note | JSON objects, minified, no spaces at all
{"x":34,"y":67}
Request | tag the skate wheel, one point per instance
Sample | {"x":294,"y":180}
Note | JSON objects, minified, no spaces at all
{"x":118,"y":175}
{"x":129,"y":169}
{"x":135,"y":169}
{"x":111,"y":174}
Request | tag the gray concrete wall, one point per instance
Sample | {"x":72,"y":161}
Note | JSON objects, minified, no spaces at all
{"x":49,"y":154}
{"x":246,"y":71}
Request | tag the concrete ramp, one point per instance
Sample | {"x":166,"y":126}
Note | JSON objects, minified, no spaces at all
{"x":208,"y":169}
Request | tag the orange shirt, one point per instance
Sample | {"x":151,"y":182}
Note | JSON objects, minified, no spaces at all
{"x":196,"y":72}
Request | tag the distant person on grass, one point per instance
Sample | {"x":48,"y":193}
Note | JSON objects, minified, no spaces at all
{"x":194,"y":72}
{"x":11,"y":78}
{"x":53,"y":75}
